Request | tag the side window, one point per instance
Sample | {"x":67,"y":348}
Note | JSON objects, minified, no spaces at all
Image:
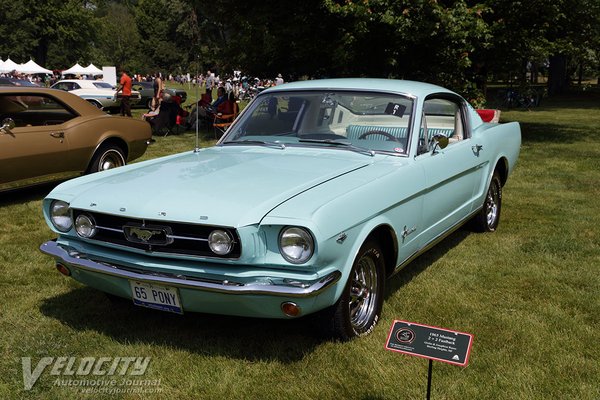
{"x":34,"y":110}
{"x":444,"y":117}
{"x":423,"y":146}
{"x":61,"y":86}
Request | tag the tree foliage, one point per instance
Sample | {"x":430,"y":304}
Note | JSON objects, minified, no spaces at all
{"x":456,"y":43}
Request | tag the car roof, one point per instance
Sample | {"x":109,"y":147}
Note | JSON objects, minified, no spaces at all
{"x":143,"y":83}
{"x":413,"y":88}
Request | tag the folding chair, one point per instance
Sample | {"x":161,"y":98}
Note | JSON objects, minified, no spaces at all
{"x":166,"y":119}
{"x":222,"y":121}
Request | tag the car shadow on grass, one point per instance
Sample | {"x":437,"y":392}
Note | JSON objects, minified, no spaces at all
{"x":253,"y":339}
{"x":31,"y":193}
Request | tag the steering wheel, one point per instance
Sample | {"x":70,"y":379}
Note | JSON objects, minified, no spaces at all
{"x":389,"y":136}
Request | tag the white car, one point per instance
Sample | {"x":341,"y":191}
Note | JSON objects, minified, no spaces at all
{"x":99,"y":93}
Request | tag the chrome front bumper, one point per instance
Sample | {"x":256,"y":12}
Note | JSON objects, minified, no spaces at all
{"x":72,"y":258}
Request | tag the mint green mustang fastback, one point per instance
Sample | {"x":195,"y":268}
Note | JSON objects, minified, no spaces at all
{"x":317,"y":193}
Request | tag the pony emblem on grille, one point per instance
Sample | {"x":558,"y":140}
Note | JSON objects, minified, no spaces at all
{"x":153,"y":235}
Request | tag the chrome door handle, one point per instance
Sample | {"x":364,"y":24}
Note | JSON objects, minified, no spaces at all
{"x":58,"y":135}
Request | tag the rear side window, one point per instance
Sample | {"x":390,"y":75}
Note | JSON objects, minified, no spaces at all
{"x":34,"y":110}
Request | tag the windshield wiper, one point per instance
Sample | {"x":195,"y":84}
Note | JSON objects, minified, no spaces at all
{"x":277,"y":145}
{"x":347,"y":145}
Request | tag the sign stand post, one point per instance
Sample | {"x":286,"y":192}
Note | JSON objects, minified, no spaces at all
{"x":430,"y":342}
{"x":429,"y":379}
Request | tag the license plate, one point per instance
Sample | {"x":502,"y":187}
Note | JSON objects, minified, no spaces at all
{"x":164,"y":298}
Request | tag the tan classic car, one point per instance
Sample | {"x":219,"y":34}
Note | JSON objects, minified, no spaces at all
{"x":48,"y":134}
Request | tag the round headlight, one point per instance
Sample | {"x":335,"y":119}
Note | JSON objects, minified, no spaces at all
{"x":60,"y":215}
{"x":85,"y":226}
{"x":296,"y":245}
{"x":220,"y":242}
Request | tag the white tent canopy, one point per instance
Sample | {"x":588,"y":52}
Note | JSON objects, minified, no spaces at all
{"x":76,"y":70}
{"x":93,"y":70}
{"x":9,"y":65}
{"x":30,"y":67}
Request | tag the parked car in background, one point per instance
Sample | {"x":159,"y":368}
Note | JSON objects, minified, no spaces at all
{"x":17,"y":82}
{"x":48,"y":134}
{"x":317,"y":193}
{"x":101,"y":94}
{"x":146,"y":90}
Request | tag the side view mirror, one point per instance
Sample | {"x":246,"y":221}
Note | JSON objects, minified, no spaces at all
{"x":440,"y":142}
{"x":7,"y":126}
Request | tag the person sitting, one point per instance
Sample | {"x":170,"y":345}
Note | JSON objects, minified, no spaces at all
{"x":164,"y":118}
{"x":206,"y":111}
{"x":218,"y":106}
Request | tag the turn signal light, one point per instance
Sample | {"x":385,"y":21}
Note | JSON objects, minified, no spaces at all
{"x":291,"y":309}
{"x":63,"y":270}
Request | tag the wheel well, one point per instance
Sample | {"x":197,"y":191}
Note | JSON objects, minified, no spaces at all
{"x":502,"y":168}
{"x":385,"y":236}
{"x":94,"y":102}
{"x":113,"y":141}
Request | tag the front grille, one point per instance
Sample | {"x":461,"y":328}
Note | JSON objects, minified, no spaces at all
{"x":169,"y":237}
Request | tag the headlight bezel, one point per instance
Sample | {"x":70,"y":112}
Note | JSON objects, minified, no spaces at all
{"x":212,"y":245}
{"x":92,"y":222}
{"x":300,"y":235}
{"x":58,"y":219}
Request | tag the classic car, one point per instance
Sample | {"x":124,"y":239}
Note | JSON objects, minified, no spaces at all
{"x":101,"y":94}
{"x":317,"y":193}
{"x":146,"y":90}
{"x":17,"y":82}
{"x":48,"y":134}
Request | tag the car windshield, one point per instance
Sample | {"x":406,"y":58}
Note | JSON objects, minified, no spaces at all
{"x":350,"y":120}
{"x":103,"y":85}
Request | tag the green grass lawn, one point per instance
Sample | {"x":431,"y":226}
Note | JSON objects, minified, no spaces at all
{"x":529,"y":294}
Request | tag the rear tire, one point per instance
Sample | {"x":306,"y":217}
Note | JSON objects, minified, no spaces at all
{"x":488,"y":218}
{"x":107,"y":157}
{"x":359,"y":307}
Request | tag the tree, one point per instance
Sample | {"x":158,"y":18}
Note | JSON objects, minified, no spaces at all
{"x":62,"y":31}
{"x":118,"y":38}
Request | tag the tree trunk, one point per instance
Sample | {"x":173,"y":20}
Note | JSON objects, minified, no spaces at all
{"x":557,"y":75}
{"x":41,"y":51}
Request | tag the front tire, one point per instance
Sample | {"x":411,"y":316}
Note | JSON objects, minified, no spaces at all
{"x":488,"y":218}
{"x":359,"y":307}
{"x":107,"y":157}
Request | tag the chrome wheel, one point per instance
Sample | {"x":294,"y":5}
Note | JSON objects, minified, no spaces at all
{"x":357,"y":311}
{"x":107,"y":157}
{"x":363,"y":293}
{"x":110,"y":159}
{"x":488,"y":218}
{"x":492,"y":205}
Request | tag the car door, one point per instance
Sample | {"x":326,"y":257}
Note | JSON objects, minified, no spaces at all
{"x":452,"y":173}
{"x":37,"y":145}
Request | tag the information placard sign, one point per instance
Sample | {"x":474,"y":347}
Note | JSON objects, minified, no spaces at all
{"x":430,"y":342}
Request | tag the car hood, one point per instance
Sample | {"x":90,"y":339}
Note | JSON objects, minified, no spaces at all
{"x":229,"y":186}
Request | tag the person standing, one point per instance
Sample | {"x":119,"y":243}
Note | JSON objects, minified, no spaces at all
{"x":125,"y":87}
{"x":210,"y":82}
{"x":158,"y":87}
{"x":279,"y":80}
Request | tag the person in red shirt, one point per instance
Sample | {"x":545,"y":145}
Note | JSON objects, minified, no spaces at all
{"x":125,"y":86}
